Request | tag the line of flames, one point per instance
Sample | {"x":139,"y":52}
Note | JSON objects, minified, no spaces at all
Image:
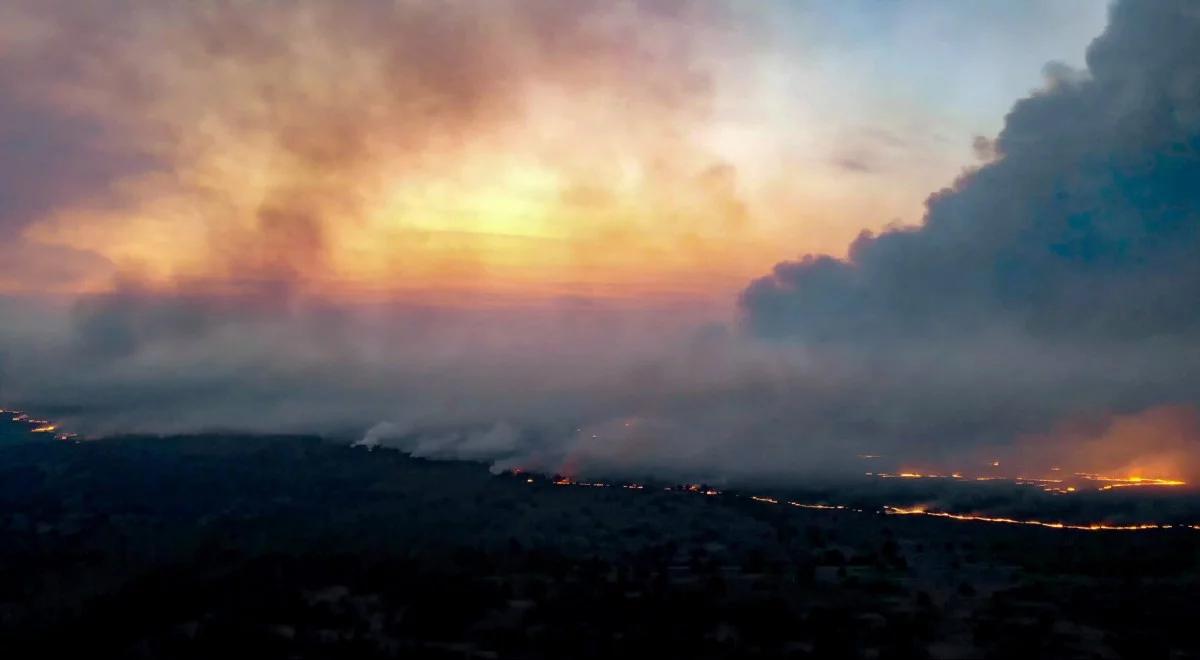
{"x":39,"y":425}
{"x":45,"y":426}
{"x":1046,"y":484}
{"x":894,"y":510}
{"x":1091,"y":527}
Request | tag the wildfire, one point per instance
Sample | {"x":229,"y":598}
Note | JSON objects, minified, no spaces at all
{"x":823,"y":507}
{"x":567,"y":481}
{"x":36,"y":425}
{"x":1092,"y":527}
{"x":1129,"y":482}
{"x":699,"y":489}
{"x":1057,"y":484}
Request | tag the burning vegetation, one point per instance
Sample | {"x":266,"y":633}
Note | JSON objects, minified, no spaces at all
{"x":1046,"y":485}
{"x":299,"y":547}
{"x":34,"y":425}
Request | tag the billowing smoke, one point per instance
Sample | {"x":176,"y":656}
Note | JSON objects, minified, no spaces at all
{"x":1161,"y":442}
{"x":236,"y":144}
{"x":1053,"y":284}
{"x":1084,"y":230}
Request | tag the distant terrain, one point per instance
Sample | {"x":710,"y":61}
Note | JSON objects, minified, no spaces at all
{"x":294,"y":547}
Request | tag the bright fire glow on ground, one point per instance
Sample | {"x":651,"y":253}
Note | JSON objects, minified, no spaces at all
{"x":702,"y":489}
{"x":1090,"y":527}
{"x":37,"y":425}
{"x":1069,"y":483}
{"x":1064,"y":484}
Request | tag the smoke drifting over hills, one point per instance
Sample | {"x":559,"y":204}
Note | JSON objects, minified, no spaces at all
{"x":1084,"y":229}
{"x":1054,"y":285}
{"x":1057,"y":281}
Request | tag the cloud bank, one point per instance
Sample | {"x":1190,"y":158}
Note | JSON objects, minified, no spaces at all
{"x":403,"y":147}
{"x":1058,"y":280}
{"x":1085,"y":228}
{"x":1051,"y":288}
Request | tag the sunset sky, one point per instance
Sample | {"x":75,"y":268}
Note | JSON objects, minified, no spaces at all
{"x":500,"y":150}
{"x":735,"y":238}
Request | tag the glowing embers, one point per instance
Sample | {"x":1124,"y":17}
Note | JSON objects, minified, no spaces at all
{"x":1129,"y":482}
{"x":568,"y":481}
{"x":1090,"y":527}
{"x":1059,"y":484}
{"x":37,"y":425}
{"x":559,"y":480}
{"x":913,"y":475}
{"x":700,"y":489}
{"x":823,"y":507}
{"x":801,"y":505}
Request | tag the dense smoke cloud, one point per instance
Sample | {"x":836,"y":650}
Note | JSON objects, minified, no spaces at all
{"x":1065,"y":273}
{"x":47,"y":161}
{"x":228,"y":144}
{"x":1085,"y":228}
{"x":1054,"y":283}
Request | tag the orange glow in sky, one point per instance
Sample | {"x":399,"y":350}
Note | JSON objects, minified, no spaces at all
{"x":513,"y":150}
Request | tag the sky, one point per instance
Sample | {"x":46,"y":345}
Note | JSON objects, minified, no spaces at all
{"x":728,"y":239}
{"x":503,"y":151}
